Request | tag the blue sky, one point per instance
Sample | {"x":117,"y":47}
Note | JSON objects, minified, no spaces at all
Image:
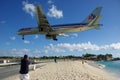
{"x":18,"y":14}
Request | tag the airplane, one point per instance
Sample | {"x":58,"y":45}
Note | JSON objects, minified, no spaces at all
{"x":52,"y":31}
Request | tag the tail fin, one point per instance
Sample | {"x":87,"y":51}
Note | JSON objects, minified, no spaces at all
{"x":93,"y":16}
{"x":95,"y":23}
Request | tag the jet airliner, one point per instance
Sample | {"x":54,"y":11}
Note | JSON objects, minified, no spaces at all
{"x":52,"y":31}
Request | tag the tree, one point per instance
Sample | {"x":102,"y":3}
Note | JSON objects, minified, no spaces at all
{"x":108,"y":56}
{"x":89,"y":55}
{"x":101,"y":57}
{"x":104,"y":57}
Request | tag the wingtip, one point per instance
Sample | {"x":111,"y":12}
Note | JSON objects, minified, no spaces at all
{"x":38,"y":5}
{"x":99,"y":7}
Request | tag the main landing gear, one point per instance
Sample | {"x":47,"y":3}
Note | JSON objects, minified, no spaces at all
{"x":23,"y":37}
{"x":55,"y":39}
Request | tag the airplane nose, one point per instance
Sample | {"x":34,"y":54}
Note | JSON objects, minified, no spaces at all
{"x":18,"y":32}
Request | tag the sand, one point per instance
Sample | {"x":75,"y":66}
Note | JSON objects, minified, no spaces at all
{"x":66,"y":70}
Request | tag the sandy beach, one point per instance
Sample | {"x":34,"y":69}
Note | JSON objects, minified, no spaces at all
{"x":66,"y":70}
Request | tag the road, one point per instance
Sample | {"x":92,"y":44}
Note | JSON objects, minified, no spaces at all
{"x":9,"y":71}
{"x":13,"y":70}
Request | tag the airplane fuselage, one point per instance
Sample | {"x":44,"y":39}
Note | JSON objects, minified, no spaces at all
{"x":57,"y":29}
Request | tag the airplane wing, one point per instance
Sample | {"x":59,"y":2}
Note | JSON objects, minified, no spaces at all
{"x":43,"y":23}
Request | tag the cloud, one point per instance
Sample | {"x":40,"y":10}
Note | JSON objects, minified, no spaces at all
{"x":115,"y":46}
{"x":19,"y":52}
{"x":14,"y":50}
{"x":24,"y":50}
{"x":79,"y":47}
{"x":13,"y":38}
{"x":36,"y":37}
{"x":29,"y":8}
{"x":117,"y":54}
{"x":37,"y":51}
{"x":74,"y":35}
{"x":65,"y":48}
{"x":50,"y":1}
{"x":54,"y":48}
{"x":54,"y":12}
{"x":7,"y":43}
{"x":26,"y":42}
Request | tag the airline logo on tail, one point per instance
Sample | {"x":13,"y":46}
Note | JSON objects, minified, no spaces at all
{"x":91,"y":17}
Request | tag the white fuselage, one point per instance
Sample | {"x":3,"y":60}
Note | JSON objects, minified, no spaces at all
{"x":57,"y":29}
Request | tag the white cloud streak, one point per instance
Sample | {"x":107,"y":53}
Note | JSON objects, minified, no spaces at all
{"x":7,"y":43}
{"x":50,"y":1}
{"x":13,"y":38}
{"x":26,"y":42}
{"x":74,"y":35}
{"x":67,"y":47}
{"x":37,"y":51}
{"x":54,"y":12}
{"x":19,"y":51}
{"x":36,"y":37}
{"x":29,"y":8}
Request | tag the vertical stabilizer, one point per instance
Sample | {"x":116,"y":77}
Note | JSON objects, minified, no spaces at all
{"x":91,"y":17}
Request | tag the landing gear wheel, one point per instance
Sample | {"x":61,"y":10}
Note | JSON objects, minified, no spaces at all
{"x":55,"y":39}
{"x":23,"y":37}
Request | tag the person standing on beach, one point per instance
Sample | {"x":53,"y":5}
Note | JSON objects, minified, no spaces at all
{"x":24,"y":69}
{"x":82,"y":61}
{"x":55,"y":59}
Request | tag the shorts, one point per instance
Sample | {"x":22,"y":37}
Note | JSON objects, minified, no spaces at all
{"x":24,"y":76}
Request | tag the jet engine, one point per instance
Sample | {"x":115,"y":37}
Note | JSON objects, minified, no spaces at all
{"x":49,"y":36}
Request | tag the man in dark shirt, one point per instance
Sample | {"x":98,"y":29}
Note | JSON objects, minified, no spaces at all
{"x":24,"y":69}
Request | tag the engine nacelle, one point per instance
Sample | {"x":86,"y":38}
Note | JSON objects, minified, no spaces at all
{"x":49,"y":36}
